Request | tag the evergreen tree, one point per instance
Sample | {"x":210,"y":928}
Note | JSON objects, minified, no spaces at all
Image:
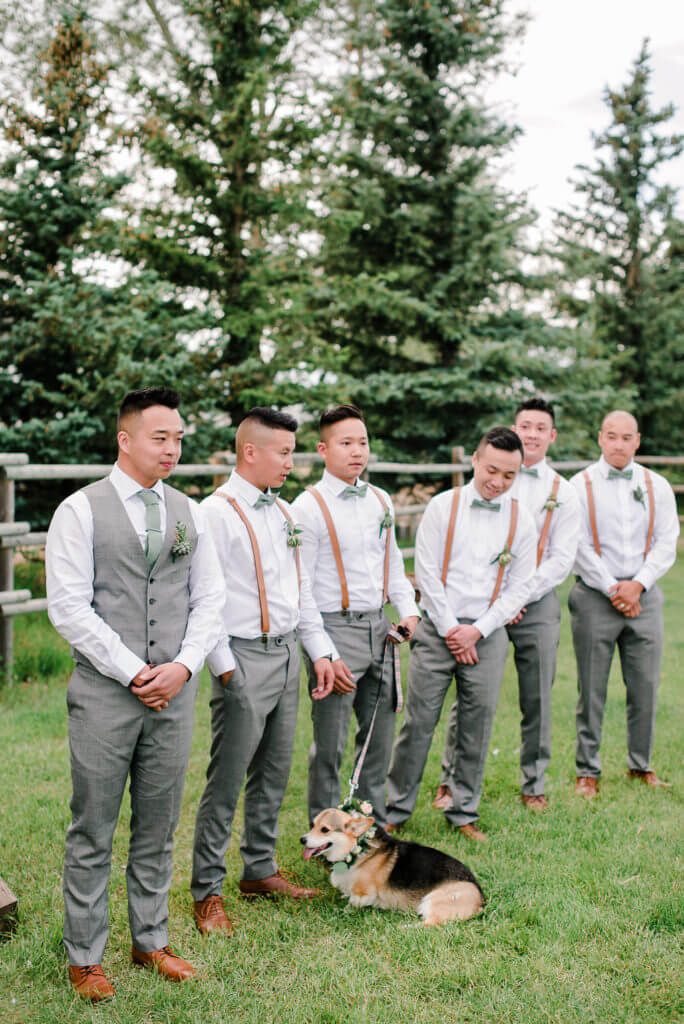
{"x":619,"y":250}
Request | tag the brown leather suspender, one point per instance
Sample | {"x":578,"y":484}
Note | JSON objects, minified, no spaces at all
{"x":337,"y":552}
{"x":509,"y":543}
{"x":450,"y":540}
{"x":544,"y":535}
{"x":258,"y":565}
{"x":591,"y":507}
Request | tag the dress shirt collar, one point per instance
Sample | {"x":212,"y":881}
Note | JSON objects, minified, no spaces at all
{"x":238,"y":487}
{"x":470,"y":492}
{"x":605,"y":467}
{"x":334,"y":484}
{"x":126,"y":486}
{"x":542,"y":467}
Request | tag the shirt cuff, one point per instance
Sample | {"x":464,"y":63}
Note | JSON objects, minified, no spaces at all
{"x":320,"y":647}
{"x":443,"y":625}
{"x":487,"y":623}
{"x":610,"y":585}
{"x":130,"y":667}
{"x":645,"y":577}
{"x":191,"y":657}
{"x":221,"y":659}
{"x":406,"y":608}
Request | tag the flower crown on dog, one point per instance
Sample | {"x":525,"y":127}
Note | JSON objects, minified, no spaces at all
{"x":357,"y":809}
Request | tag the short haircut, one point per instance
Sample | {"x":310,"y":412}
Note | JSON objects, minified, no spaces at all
{"x":144,"y":398}
{"x":503,"y":438}
{"x":273,"y":418}
{"x":536,"y":405}
{"x":339,"y":413}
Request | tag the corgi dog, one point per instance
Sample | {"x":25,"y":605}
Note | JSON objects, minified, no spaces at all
{"x":373,"y":869}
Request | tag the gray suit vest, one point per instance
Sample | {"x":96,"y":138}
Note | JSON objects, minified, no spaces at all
{"x":147,"y":607}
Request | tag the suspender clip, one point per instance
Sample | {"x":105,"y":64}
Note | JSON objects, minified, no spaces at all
{"x":264,"y":639}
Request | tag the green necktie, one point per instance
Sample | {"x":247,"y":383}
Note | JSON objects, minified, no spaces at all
{"x":264,"y":500}
{"x":354,"y":491}
{"x":153,"y":534}
{"x":616,"y":474}
{"x":530,"y":470}
{"x":491,"y":506}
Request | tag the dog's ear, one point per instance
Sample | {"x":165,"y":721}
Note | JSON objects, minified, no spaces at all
{"x":357,"y":826}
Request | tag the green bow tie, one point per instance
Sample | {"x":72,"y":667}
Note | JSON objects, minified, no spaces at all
{"x":266,"y":499}
{"x":491,"y":506}
{"x":530,"y":471}
{"x":615,"y":474}
{"x":354,"y":491}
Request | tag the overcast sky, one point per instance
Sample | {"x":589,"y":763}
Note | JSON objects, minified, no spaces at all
{"x":573,"y":49}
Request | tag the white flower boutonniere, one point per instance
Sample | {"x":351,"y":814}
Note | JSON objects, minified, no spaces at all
{"x":182,"y":545}
{"x":639,"y":496}
{"x":293,"y":534}
{"x":387,"y":522}
{"x":551,"y":504}
{"x":504,"y":558}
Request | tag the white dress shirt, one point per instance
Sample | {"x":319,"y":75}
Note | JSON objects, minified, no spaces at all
{"x":479,"y":537}
{"x":622,"y":523}
{"x":288,"y":609}
{"x":357,"y":525}
{"x":561,"y":543}
{"x":70,"y":573}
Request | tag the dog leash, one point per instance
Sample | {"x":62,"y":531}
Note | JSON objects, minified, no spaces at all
{"x":398,"y":701}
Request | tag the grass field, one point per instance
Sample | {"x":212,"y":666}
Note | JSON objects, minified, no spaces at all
{"x":583,"y":920}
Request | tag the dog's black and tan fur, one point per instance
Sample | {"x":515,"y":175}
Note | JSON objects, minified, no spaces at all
{"x":393,"y":874}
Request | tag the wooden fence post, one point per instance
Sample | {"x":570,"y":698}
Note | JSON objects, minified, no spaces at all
{"x":8,"y":909}
{"x":457,"y":456}
{"x":6,"y":577}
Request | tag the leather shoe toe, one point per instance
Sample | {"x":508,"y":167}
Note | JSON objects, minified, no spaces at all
{"x":275,"y":885}
{"x":587,"y":786}
{"x":648,"y":778}
{"x":90,"y":982}
{"x":165,"y":962}
{"x":210,"y":916}
{"x":536,"y":802}
{"x":471,"y":831}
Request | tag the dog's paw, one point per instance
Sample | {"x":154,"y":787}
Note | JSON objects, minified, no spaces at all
{"x":362,"y":899}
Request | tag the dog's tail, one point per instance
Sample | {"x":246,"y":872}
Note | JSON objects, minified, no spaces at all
{"x":451,"y":901}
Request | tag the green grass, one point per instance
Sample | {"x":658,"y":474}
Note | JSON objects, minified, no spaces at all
{"x":583,"y":923}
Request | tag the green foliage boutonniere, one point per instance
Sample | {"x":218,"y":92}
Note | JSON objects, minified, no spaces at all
{"x":182,"y":546}
{"x":505,"y":557}
{"x":293,"y":532}
{"x":387,"y":522}
{"x":551,"y":504}
{"x":639,"y":496}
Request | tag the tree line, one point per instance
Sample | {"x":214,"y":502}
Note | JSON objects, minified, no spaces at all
{"x":299,"y":203}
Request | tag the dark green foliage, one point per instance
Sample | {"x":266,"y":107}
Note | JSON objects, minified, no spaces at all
{"x":620,"y":253}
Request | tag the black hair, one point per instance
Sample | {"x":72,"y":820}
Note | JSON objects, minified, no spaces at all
{"x":273,"y":418}
{"x":339,"y":413}
{"x":503,"y":438}
{"x":144,"y":398}
{"x":536,"y":405}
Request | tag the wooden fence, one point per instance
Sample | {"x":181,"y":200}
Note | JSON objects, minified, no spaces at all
{"x":16,"y":467}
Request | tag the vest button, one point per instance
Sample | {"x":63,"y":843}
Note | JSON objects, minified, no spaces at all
{"x":153,"y":622}
{"x":152,"y":643}
{"x":151,"y":580}
{"x":152,"y":600}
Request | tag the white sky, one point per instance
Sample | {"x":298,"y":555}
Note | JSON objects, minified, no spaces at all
{"x":572,"y":49}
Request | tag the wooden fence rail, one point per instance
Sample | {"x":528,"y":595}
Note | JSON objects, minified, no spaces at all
{"x":15,"y":466}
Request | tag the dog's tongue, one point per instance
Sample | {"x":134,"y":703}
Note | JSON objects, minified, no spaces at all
{"x":308,"y":852}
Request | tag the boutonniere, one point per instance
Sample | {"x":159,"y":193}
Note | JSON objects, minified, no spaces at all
{"x":505,"y":556}
{"x":293,"y":531}
{"x":551,"y":504}
{"x":387,"y":522}
{"x":639,"y":496}
{"x":182,"y":546}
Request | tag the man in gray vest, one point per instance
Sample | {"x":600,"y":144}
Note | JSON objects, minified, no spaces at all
{"x":132,"y":585}
{"x":255,"y":670}
{"x":628,"y":540}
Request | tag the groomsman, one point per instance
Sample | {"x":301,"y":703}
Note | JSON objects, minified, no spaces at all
{"x":351,"y":555}
{"x":535,"y":630}
{"x":475,"y":559}
{"x":255,"y":673}
{"x":132,"y":585}
{"x":628,"y":540}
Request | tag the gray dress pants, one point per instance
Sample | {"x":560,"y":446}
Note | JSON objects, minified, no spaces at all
{"x":535,"y":645}
{"x":597,"y":628}
{"x":253,"y":722}
{"x":112,"y":736}
{"x":360,"y":639}
{"x":431,"y":670}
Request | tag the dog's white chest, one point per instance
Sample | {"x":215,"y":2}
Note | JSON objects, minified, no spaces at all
{"x":342,"y":878}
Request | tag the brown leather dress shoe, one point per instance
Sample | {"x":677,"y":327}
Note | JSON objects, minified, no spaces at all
{"x":648,"y":778}
{"x":165,"y":962}
{"x":471,"y":831}
{"x":210,"y":916}
{"x":443,"y":801}
{"x":587,"y":786}
{"x":91,"y":982}
{"x":275,"y":885}
{"x":536,"y":802}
